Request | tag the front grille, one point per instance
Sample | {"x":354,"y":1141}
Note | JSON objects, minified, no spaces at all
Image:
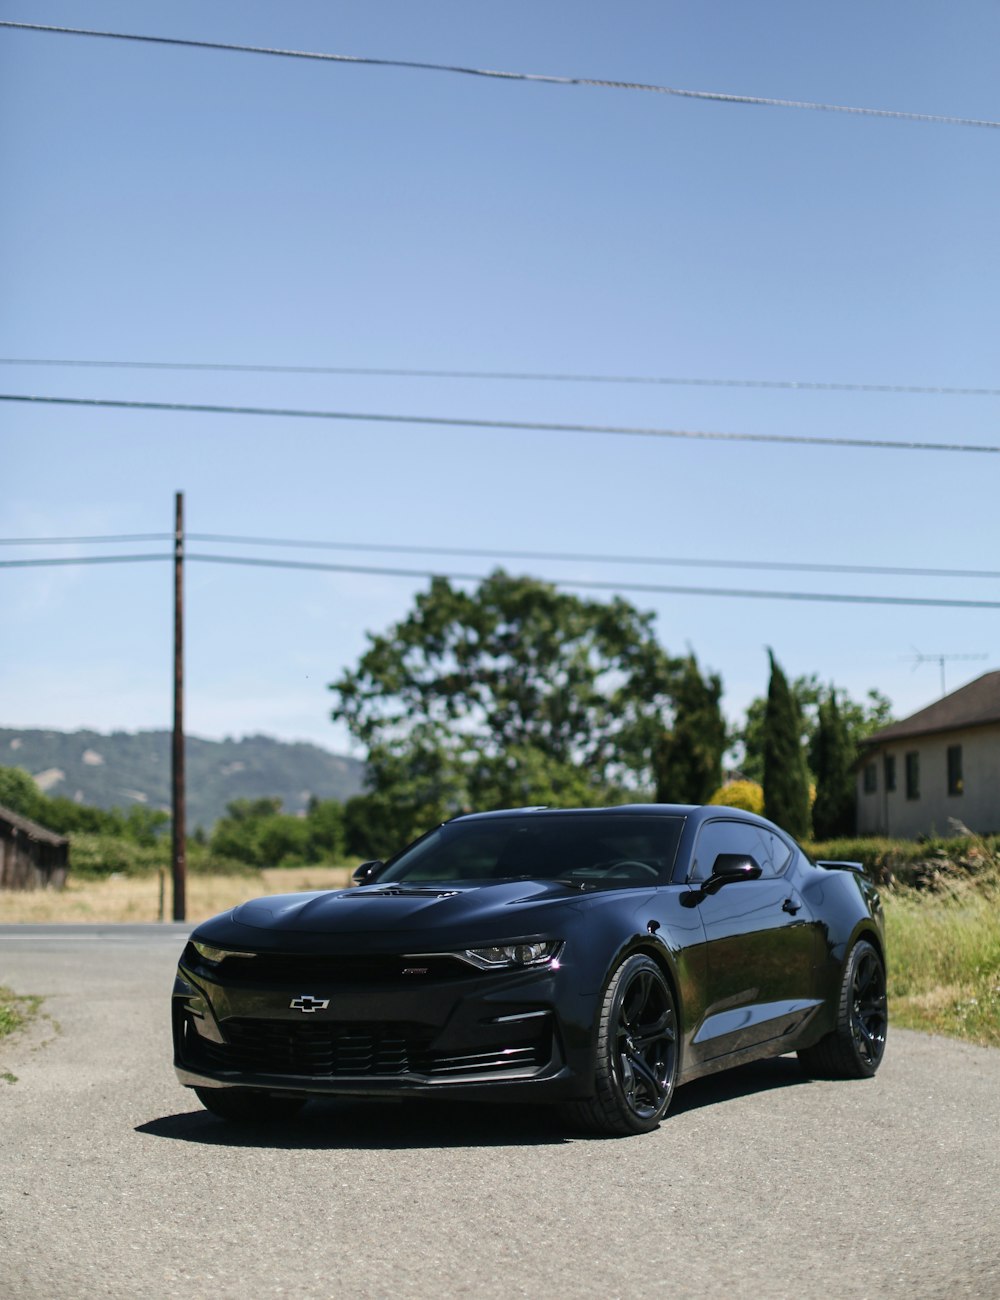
{"x":331,"y":972}
{"x":332,"y":1050}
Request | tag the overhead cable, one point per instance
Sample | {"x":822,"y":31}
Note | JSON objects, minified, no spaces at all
{"x":506,"y":553}
{"x":536,"y":426}
{"x":586,"y":584}
{"x":603,"y":83}
{"x":401,"y":372}
{"x":67,"y":561}
{"x":87,"y":540}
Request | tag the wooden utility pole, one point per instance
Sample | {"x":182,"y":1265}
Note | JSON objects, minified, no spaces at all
{"x":177,"y":754}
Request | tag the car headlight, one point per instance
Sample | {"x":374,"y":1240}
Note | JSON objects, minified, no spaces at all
{"x":514,"y":954}
{"x":214,"y":955}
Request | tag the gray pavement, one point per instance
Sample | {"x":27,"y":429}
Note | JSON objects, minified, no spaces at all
{"x":114,"y":1183}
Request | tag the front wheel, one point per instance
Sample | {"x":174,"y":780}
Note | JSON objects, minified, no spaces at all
{"x":854,"y":1049}
{"x":246,"y":1106}
{"x":636,"y":1064}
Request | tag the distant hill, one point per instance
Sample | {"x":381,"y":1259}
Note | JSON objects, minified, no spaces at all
{"x":126,"y":768}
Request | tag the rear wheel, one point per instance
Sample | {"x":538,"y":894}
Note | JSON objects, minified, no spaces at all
{"x":247,"y":1106}
{"x":636,"y":1066}
{"x":854,"y":1049}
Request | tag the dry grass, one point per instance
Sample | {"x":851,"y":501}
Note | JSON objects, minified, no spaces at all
{"x":137,"y":898}
{"x":944,"y":958}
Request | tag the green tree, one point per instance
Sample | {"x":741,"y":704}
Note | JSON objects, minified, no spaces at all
{"x":831,"y":758}
{"x":20,"y":793}
{"x":860,"y":717}
{"x":786,"y":776}
{"x":511,"y":693}
{"x":688,"y":757}
{"x":325,"y":821}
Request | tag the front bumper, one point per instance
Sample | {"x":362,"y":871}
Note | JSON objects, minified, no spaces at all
{"x":373,"y":1031}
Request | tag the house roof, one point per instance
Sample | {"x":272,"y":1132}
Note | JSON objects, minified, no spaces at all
{"x":973,"y":705}
{"x":29,"y":828}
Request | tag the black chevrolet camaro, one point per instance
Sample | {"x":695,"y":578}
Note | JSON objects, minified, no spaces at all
{"x":594,"y":958}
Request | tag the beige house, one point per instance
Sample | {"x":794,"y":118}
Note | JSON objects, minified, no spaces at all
{"x":938,"y":764}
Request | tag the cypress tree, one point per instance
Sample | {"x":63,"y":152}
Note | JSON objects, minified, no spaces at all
{"x":688,"y":758}
{"x":832,"y":757}
{"x":786,"y":776}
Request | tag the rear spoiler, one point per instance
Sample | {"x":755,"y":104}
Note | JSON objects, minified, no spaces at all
{"x":857,"y":867}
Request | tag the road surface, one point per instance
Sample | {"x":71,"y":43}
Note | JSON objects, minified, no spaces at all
{"x":115,"y":1183}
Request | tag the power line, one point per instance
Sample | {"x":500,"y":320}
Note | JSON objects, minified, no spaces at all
{"x":67,"y":561}
{"x":401,"y":372}
{"x":497,"y":553}
{"x":603,"y":83}
{"x":75,"y":541}
{"x":589,"y":584}
{"x":535,"y":426}
{"x":586,"y":557}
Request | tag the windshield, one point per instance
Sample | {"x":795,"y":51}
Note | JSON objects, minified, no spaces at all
{"x":582,"y":849}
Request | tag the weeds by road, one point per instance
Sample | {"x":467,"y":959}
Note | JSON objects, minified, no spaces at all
{"x":137,"y":898}
{"x":944,"y":958}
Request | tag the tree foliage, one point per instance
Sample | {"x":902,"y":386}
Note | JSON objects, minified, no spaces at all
{"x":860,"y":719}
{"x":786,"y":776}
{"x":21,"y":794}
{"x":688,"y":756}
{"x":258,"y":833}
{"x":747,"y":795}
{"x":511,"y":693}
{"x":831,"y":757}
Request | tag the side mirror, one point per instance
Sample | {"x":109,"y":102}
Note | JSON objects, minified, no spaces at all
{"x":367,"y":872}
{"x":729,"y":868}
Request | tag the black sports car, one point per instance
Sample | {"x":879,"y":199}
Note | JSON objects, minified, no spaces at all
{"x":596,"y":958}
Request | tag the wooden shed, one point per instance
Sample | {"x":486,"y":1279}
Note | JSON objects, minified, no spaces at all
{"x":31,"y":857}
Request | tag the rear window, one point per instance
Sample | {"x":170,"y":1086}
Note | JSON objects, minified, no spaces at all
{"x":612,"y":850}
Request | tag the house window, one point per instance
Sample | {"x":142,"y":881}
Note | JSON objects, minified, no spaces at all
{"x":871,"y":778}
{"x":890,"y":771}
{"x":913,"y":775}
{"x":955,"y":782}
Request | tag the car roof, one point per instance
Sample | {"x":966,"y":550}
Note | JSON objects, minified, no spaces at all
{"x":628,"y":809}
{"x":695,"y":814}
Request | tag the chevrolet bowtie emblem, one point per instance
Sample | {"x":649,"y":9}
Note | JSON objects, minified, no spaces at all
{"x":308,"y":1003}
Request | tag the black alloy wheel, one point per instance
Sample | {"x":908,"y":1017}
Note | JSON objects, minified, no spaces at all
{"x":869,"y":1017}
{"x":636,"y":1067}
{"x":854,"y":1050}
{"x":245,"y":1106}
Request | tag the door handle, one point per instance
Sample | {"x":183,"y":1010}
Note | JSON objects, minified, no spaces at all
{"x":790,"y":906}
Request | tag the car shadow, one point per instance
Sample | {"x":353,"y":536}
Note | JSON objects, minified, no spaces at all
{"x":743,"y":1081}
{"x":379,"y":1125}
{"x":373,"y":1125}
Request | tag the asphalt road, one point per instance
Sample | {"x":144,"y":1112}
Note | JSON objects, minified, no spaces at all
{"x":114,"y":1183}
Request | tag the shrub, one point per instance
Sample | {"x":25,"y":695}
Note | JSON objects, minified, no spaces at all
{"x":747,"y":795}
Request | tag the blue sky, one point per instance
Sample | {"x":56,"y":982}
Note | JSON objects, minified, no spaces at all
{"x":183,"y":205}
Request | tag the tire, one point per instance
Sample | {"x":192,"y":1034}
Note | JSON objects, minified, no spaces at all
{"x":636,"y":1063}
{"x":854,"y":1049}
{"x":244,"y":1106}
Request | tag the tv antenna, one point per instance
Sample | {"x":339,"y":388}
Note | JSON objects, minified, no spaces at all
{"x":917,"y":659}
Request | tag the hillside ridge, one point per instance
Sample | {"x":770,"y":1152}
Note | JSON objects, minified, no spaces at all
{"x":119,"y":769}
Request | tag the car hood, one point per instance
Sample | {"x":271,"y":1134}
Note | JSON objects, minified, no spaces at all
{"x":379,"y":915}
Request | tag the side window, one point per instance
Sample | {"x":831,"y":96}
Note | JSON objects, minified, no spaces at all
{"x":890,"y":772}
{"x":871,"y":778}
{"x":766,"y":848}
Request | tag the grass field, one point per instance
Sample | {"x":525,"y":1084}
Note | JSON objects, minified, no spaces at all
{"x":137,"y":898}
{"x":943,"y":944}
{"x":944,"y":959}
